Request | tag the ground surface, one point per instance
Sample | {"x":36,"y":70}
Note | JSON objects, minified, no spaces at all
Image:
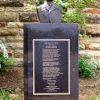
{"x":13,"y":80}
{"x":89,"y":87}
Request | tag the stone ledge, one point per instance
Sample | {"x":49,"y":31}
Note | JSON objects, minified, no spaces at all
{"x":21,"y":32}
{"x":10,"y":52}
{"x":93,"y":46}
{"x":3,"y":24}
{"x":8,"y":31}
{"x":89,"y":46}
{"x":90,"y":40}
{"x":89,"y":43}
{"x":93,"y":18}
{"x":18,"y":9}
{"x":93,"y":15}
{"x":93,"y":29}
{"x":18,"y":53}
{"x":2,"y":39}
{"x":9,"y":17}
{"x":90,"y":52}
{"x":95,"y":55}
{"x":11,"y":3}
{"x":16,"y":45}
{"x":19,"y":62}
{"x":91,"y":11}
{"x":15,"y":25}
{"x":28,"y":17}
{"x":2,"y":9}
{"x":14,"y":39}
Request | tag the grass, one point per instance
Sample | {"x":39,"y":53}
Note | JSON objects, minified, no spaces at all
{"x":5,"y":95}
{"x":89,"y":98}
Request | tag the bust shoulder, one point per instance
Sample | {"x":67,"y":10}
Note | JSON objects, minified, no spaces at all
{"x":55,"y":8}
{"x":59,"y":9}
{"x":41,"y":7}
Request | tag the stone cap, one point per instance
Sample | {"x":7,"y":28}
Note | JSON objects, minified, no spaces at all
{"x":12,"y":3}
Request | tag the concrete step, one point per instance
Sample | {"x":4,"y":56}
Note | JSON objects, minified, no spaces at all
{"x":92,"y":15}
{"x":90,"y":52}
{"x":91,"y":29}
{"x":93,"y":18}
{"x":95,"y":55}
{"x":89,"y":43}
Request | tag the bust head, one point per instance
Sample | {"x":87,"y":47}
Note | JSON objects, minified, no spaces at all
{"x":48,"y":12}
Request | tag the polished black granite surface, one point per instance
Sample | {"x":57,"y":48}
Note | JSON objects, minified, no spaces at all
{"x":51,"y":49}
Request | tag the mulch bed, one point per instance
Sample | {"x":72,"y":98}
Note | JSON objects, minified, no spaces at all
{"x":13,"y":80}
{"x":89,"y":87}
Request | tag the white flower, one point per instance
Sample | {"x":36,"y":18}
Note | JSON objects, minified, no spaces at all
{"x":0,"y":66}
{"x":3,"y":48}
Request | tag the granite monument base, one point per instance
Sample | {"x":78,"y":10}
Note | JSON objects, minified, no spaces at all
{"x":51,"y":61}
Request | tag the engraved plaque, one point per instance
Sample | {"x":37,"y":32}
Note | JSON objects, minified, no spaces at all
{"x":51,"y":70}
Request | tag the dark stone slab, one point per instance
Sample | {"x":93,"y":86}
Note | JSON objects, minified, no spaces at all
{"x":40,"y":37}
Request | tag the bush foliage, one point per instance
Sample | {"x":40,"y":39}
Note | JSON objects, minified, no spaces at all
{"x":5,"y":62}
{"x":87,"y":68}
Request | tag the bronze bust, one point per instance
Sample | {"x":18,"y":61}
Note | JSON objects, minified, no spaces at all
{"x":48,"y":12}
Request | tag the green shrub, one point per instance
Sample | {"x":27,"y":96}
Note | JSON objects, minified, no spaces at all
{"x":74,"y":17}
{"x":86,"y":67}
{"x":4,"y":95}
{"x":80,"y":3}
{"x":59,"y":3}
{"x":84,"y":36}
{"x":89,"y":98}
{"x":5,"y":62}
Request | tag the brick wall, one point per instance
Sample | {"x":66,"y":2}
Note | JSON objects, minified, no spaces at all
{"x":13,"y":14}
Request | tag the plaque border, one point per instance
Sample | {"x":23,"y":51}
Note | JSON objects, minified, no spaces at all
{"x":43,"y":94}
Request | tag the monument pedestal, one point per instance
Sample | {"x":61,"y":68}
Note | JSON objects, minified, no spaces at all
{"x":51,"y":61}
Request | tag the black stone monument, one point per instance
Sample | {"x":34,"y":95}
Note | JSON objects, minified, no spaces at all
{"x":51,"y":61}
